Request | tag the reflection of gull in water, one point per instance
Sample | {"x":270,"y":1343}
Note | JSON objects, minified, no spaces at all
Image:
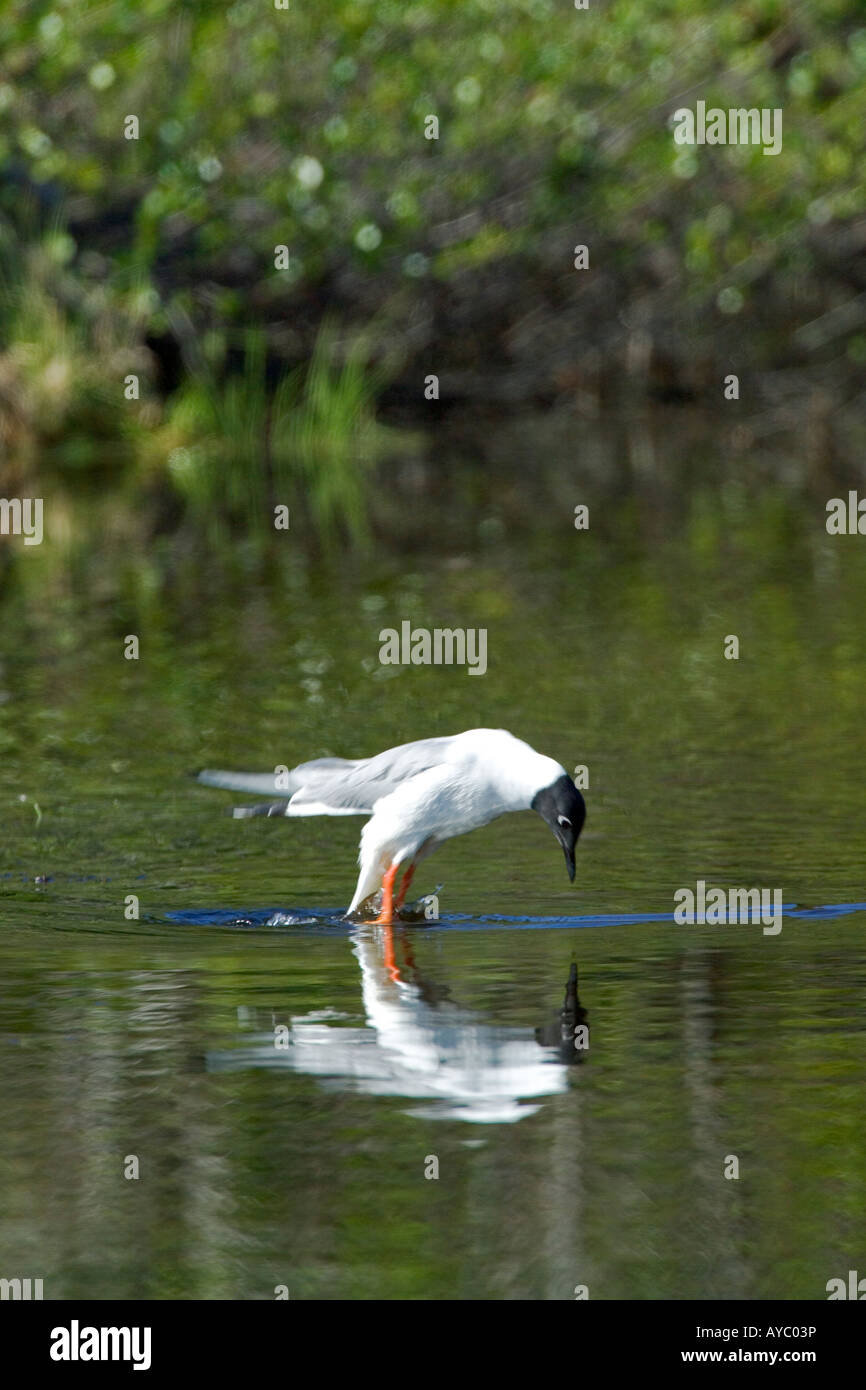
{"x":413,"y":1045}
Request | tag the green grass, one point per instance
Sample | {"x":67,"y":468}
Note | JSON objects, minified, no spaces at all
{"x":229,"y":445}
{"x":308,"y":444}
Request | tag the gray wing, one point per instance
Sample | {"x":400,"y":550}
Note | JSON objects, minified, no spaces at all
{"x":335,"y":786}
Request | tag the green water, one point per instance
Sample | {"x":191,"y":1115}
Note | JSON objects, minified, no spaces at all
{"x":306,"y":1167}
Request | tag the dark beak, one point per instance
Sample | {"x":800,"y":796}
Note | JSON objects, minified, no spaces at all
{"x":565,"y":836}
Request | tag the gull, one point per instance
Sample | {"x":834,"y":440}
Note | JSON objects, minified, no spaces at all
{"x":417,"y":796}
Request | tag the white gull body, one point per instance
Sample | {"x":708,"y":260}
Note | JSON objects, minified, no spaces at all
{"x":417,"y":795}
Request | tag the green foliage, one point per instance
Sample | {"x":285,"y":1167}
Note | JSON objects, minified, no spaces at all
{"x":305,"y":127}
{"x":64,"y":342}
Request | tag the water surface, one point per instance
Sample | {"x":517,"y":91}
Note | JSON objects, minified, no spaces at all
{"x":303,"y":1164}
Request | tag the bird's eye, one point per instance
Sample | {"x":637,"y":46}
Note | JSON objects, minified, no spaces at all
{"x":563,"y":820}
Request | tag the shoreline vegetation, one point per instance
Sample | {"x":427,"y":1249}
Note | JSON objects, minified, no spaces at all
{"x":161,"y":376}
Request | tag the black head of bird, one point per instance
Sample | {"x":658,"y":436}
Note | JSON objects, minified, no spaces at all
{"x":564,"y":809}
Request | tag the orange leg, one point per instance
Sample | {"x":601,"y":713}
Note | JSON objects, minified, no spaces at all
{"x":407,"y":879}
{"x":386,"y":912}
